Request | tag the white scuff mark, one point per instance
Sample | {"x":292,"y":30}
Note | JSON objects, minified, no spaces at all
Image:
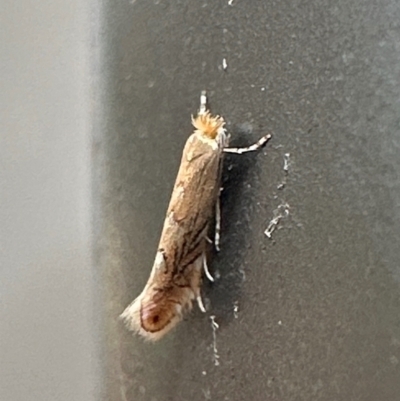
{"x":215,"y":327}
{"x":207,"y":394}
{"x":230,"y":2}
{"x":286,"y":162}
{"x":224,"y":64}
{"x":282,"y":211}
{"x":123,"y":388}
{"x":280,"y":322}
{"x":286,"y":165}
{"x":236,"y":309}
{"x":242,"y":274}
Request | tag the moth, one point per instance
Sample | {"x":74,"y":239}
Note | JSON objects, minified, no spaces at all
{"x":176,"y":277}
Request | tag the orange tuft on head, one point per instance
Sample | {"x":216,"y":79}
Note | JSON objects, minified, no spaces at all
{"x":208,"y":124}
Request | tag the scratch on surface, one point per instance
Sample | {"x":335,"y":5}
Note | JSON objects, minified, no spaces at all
{"x":123,"y":379}
{"x":207,"y":394}
{"x":215,"y":327}
{"x":122,"y":388}
{"x":286,"y":162}
{"x":282,"y":211}
{"x":236,"y":309}
{"x":286,"y":165}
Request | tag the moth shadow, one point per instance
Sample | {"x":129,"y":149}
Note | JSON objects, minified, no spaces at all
{"x":237,"y":211}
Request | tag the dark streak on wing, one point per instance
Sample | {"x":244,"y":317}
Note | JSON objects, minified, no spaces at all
{"x":192,"y":204}
{"x":200,"y":220}
{"x":193,"y":240}
{"x":190,"y":260}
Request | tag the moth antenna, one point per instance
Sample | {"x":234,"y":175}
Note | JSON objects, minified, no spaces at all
{"x":203,"y":102}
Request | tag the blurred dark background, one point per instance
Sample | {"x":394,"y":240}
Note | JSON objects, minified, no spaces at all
{"x":97,"y":101}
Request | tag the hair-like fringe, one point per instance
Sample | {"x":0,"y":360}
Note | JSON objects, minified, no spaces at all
{"x":207,"y":124}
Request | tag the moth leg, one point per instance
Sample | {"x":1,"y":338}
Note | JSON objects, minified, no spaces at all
{"x":200,"y":304}
{"x":259,"y":144}
{"x":196,"y":282}
{"x":217,"y":234}
{"x":209,"y":240}
{"x":205,"y":267}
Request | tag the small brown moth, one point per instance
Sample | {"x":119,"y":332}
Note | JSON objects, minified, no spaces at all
{"x":176,"y":276}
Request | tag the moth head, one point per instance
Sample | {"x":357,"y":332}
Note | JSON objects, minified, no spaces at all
{"x":208,"y":125}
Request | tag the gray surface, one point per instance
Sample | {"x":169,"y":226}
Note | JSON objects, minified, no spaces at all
{"x":331,"y":276}
{"x":49,"y":339}
{"x":319,"y":305}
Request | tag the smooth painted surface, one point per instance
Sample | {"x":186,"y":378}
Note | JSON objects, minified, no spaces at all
{"x":318,"y":306}
{"x":49,"y":339}
{"x":100,"y":102}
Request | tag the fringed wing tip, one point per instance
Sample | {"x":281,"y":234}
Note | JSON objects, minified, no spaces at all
{"x":131,"y":317}
{"x":208,"y":124}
